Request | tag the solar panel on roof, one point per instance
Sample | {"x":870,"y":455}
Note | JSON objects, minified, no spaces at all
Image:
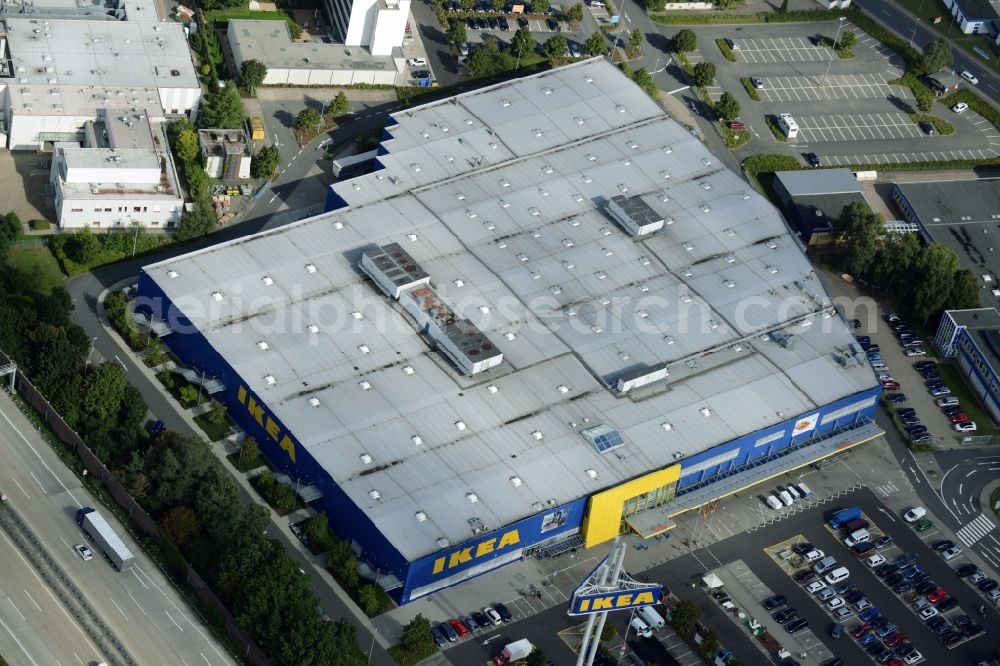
{"x":603,"y":437}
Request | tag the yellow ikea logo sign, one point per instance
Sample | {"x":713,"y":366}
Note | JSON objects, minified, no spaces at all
{"x":466,"y":555}
{"x":614,"y":601}
{"x":266,"y":422}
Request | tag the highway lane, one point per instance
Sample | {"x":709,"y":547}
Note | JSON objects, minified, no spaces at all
{"x":144,"y":612}
{"x":905,"y":24}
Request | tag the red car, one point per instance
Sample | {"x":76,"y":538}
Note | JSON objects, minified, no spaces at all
{"x":736,"y":125}
{"x":895,"y":638}
{"x":937,"y":595}
{"x":806,"y":576}
{"x":895,"y":662}
{"x":891,"y":386}
{"x":859,"y":630}
{"x":961,"y":417}
{"x":459,"y":628}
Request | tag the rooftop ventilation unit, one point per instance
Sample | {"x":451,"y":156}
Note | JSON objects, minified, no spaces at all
{"x":492,"y":388}
{"x":269,"y":380}
{"x":375,"y":495}
{"x":268,"y":280}
{"x":313,"y":328}
{"x":407,"y":370}
{"x":417,"y":440}
{"x":263,"y":346}
{"x":172,"y":274}
{"x":365,"y":385}
{"x":366,"y":459}
{"x":314,"y":402}
{"x":472,"y":497}
{"x":460,"y":425}
{"x":516,"y":481}
{"x":420,"y":516}
{"x":592,"y":473}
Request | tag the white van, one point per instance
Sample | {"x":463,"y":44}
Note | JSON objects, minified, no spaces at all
{"x":879,"y":365}
{"x":651,"y":617}
{"x":786,"y":497}
{"x":641,"y":627}
{"x":837,"y":575}
{"x":794,"y":492}
{"x":804,"y":489}
{"x":857,"y":537}
{"x":773,"y":502}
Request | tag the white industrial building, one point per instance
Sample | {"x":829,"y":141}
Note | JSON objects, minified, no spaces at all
{"x":378,"y":25}
{"x":62,"y":71}
{"x":472,"y":357}
{"x":122,"y":174}
{"x":308,"y":63}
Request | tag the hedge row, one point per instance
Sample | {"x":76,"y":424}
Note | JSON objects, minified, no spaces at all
{"x":766,"y":163}
{"x":778,"y":133}
{"x":754,"y":95}
{"x":726,"y":51}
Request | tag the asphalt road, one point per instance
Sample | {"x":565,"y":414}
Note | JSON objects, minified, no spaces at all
{"x":140,"y":606}
{"x":903,"y":22}
{"x":967,"y":472}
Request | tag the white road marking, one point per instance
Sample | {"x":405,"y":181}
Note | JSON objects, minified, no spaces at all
{"x":78,"y":659}
{"x":137,"y":578}
{"x":19,"y":644}
{"x":970,"y":473}
{"x":33,"y":601}
{"x":22,"y":489}
{"x":37,"y":481}
{"x":120,"y":610}
{"x":16,"y":609}
{"x":960,"y":488}
{"x":167,"y":613}
{"x":135,"y":602}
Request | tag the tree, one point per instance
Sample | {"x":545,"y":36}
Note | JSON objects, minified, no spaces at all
{"x":104,"y":390}
{"x":595,"y":45}
{"x":339,"y":104}
{"x":727,"y":107}
{"x":608,"y":632}
{"x":522,"y":43}
{"x":964,"y":292}
{"x":847,"y":39}
{"x":924,"y":99}
{"x":728,"y":4}
{"x":895,"y":261}
{"x":937,"y":56}
{"x":10,"y":232}
{"x":645,"y":81}
{"x":537,"y":658}
{"x":155,"y":354}
{"x":265,"y":162}
{"x":344,"y":565}
{"x":575,"y":13}
{"x":252,"y":74}
{"x":417,"y":636}
{"x":555,"y":46}
{"x":683,"y":616}
{"x":85,"y":246}
{"x":308,"y":118}
{"x":456,"y":32}
{"x":656,"y":6}
{"x":859,"y":228}
{"x":685,"y":41}
{"x":934,"y":270}
{"x":635,"y":38}
{"x":224,"y":110}
{"x":249,"y":450}
{"x":181,"y":524}
{"x":368,"y":597}
{"x":540,"y":6}
{"x":198,"y":221}
{"x":217,"y":413}
{"x":497,"y":5}
{"x":710,"y":644}
{"x":703,"y":74}
{"x":480,"y":63}
{"x":189,"y":395}
{"x":187,"y":145}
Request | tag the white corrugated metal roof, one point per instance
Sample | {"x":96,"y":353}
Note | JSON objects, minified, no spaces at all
{"x":519,"y":244}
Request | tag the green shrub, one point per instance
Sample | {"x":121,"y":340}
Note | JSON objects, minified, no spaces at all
{"x":39,"y":225}
{"x":766,"y":163}
{"x":845,"y":54}
{"x":754,"y":95}
{"x":736,"y":139}
{"x":726,"y":51}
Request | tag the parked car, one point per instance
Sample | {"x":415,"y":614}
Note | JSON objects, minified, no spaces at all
{"x":926,"y":127}
{"x":947,"y":604}
{"x":757,"y":82}
{"x":805,"y":576}
{"x":914,"y":351}
{"x":951,"y":553}
{"x":448,"y":631}
{"x":966,"y":570}
{"x":896,"y":397}
{"x":796,"y":625}
{"x":553,"y":25}
{"x":504,"y":613}
{"x":874,"y":560}
{"x":987,"y":585}
{"x":944,"y":390}
{"x":936,"y":595}
{"x":785,"y":615}
{"x":883,"y":542}
{"x":966,"y":426}
{"x":439,"y":638}
{"x":774,"y":601}
{"x":493,"y":615}
{"x":961,"y":107}
{"x":812,"y":159}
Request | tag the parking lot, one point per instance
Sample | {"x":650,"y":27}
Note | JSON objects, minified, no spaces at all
{"x":782,"y":49}
{"x":847,"y":111}
{"x":833,"y":87}
{"x":755,"y":578}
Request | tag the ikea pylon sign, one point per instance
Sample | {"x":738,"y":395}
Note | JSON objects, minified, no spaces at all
{"x":584,"y":604}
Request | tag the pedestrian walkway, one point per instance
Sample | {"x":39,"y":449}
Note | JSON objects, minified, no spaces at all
{"x":975,"y":530}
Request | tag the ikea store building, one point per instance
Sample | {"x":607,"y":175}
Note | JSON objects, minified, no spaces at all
{"x":549,"y":317}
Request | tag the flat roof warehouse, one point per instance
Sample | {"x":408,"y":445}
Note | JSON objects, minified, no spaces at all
{"x":623,"y":350}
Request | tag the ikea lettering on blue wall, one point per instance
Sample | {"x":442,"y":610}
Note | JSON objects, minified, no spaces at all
{"x":584,"y":604}
{"x":470,"y":553}
{"x":266,"y":421}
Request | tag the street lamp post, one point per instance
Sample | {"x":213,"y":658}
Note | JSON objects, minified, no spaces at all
{"x":840,"y":24}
